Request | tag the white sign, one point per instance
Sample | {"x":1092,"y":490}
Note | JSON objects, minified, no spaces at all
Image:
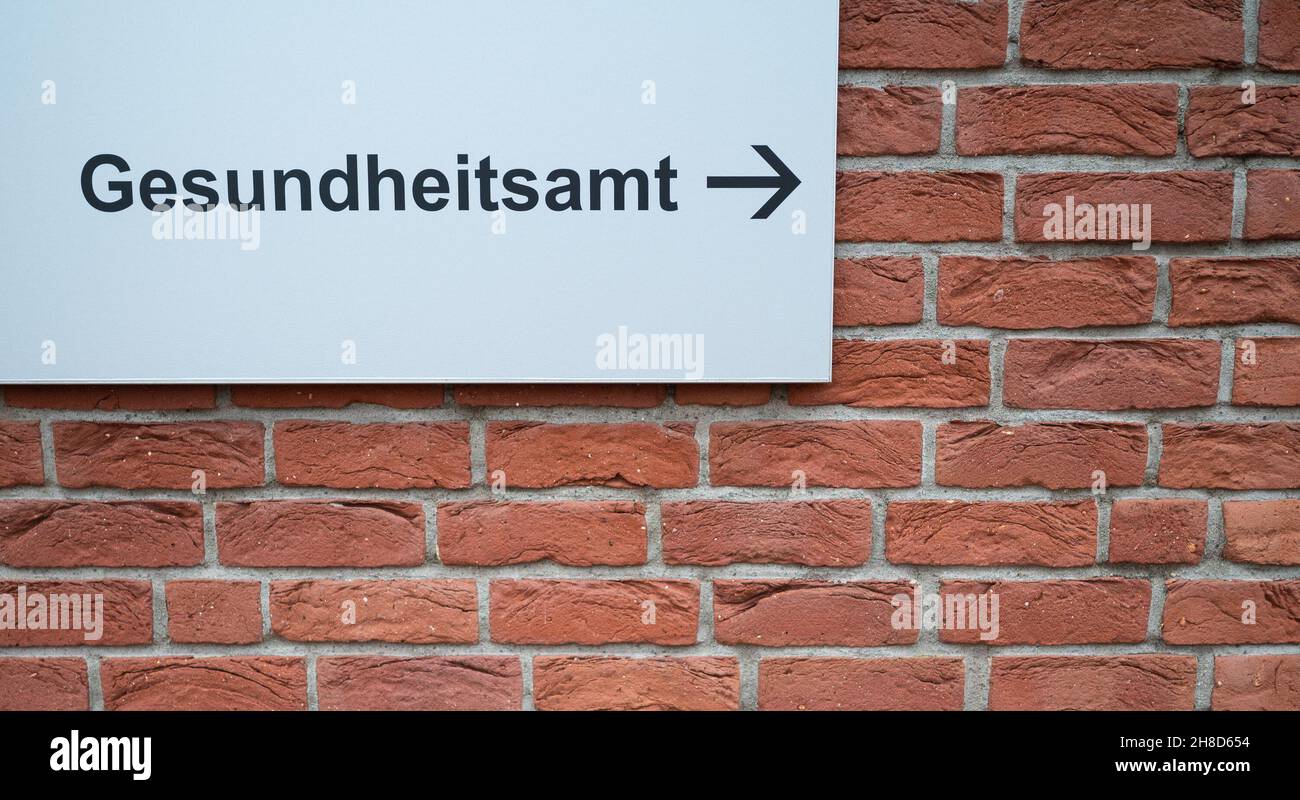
{"x":599,"y":190}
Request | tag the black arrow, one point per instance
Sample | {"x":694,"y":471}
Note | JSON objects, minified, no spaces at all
{"x":784,"y":181}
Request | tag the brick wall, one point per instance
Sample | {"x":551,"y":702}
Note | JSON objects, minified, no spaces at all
{"x":1106,"y":439}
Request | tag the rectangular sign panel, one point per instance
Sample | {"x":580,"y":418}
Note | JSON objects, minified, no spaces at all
{"x":455,"y":191}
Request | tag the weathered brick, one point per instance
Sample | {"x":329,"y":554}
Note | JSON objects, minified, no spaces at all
{"x":1119,"y":119}
{"x":1093,"y":683}
{"x":44,"y":684}
{"x":791,"y":613}
{"x":1091,"y":611}
{"x":915,"y":373}
{"x":579,"y":534}
{"x":1186,"y":206}
{"x":413,"y":611}
{"x":345,"y":455}
{"x":20,"y":454}
{"x":1262,"y":531}
{"x":1232,"y":612}
{"x":105,"y":613}
{"x":918,"y":207}
{"x":1054,"y":455}
{"x":66,"y":533}
{"x":158,"y":455}
{"x":893,"y":120}
{"x":1279,"y":35}
{"x":922,"y":34}
{"x":1057,"y":534}
{"x":860,"y":684}
{"x":859,"y":454}
{"x":1221,"y":121}
{"x":1111,"y":374}
{"x":332,"y":395}
{"x":1121,"y":34}
{"x":1024,"y":293}
{"x":1231,"y":456}
{"x":818,"y":533}
{"x":1271,"y":374}
{"x":625,"y":455}
{"x":878,"y":291}
{"x":233,"y":683}
{"x":217,"y":612}
{"x":112,"y":398}
{"x":429,"y":683}
{"x":1256,"y":683}
{"x":301,"y":533}
{"x":605,"y":683}
{"x":1158,"y":531}
{"x":594,"y":612}
{"x":1229,"y":291}
{"x":1272,"y":204}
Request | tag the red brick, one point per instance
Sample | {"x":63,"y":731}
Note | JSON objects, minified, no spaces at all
{"x":1054,"y":455}
{"x":1158,"y":531}
{"x":1093,"y":683}
{"x":1226,"y":456}
{"x":885,"y":290}
{"x":1111,"y":374}
{"x":606,"y":683}
{"x":922,"y":34}
{"x":578,"y":534}
{"x":1272,"y":204}
{"x":344,"y":455}
{"x":1256,"y":683}
{"x":1272,"y":377}
{"x":913,"y":373}
{"x":621,"y":395}
{"x":1027,"y":293}
{"x":722,"y":394}
{"x":819,"y":533}
{"x":858,"y":454}
{"x":44,"y":684}
{"x":1219,"y":612}
{"x":893,"y":120}
{"x":234,"y":683}
{"x":20,"y":454}
{"x":623,"y":455}
{"x":791,"y":613}
{"x":594,"y":612}
{"x":403,"y":611}
{"x":112,"y":398}
{"x":1228,"y":291}
{"x":303,"y":533}
{"x":430,"y":683}
{"x":1185,"y":206}
{"x":1117,"y":120}
{"x":158,"y":455}
{"x":1092,"y":611}
{"x":337,"y":395}
{"x":859,"y":684}
{"x":1121,"y":34}
{"x":65,"y":533}
{"x":1221,"y":121}
{"x":1059,"y":534}
{"x":1262,"y":531}
{"x":1279,"y":34}
{"x":217,"y":612}
{"x":918,"y":207}
{"x":127,"y":613}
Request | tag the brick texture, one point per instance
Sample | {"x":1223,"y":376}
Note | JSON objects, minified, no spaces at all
{"x":1102,"y":433}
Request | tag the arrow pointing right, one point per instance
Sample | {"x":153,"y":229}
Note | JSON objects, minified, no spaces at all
{"x":784,"y":181}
